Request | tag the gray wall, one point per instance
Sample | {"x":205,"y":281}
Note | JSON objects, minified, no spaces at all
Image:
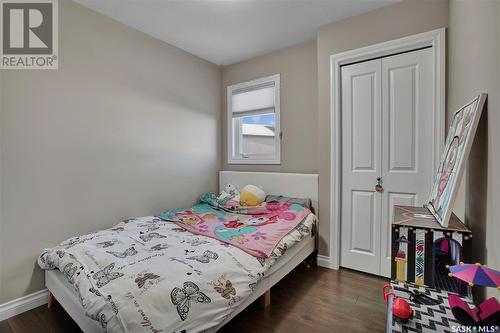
{"x":391,"y":22}
{"x":299,"y":105}
{"x":127,"y":126}
{"x":474,"y":67}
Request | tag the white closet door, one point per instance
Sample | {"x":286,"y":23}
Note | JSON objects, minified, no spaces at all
{"x":407,"y":137}
{"x":361,"y":165}
{"x":387,"y":132}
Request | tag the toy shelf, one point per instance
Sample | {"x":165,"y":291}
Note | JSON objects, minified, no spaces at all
{"x":422,"y":248}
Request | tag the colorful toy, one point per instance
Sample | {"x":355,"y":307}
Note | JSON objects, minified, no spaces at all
{"x":488,"y":312}
{"x":418,"y":297}
{"x":421,"y":248}
{"x":252,"y":195}
{"x":451,"y":168}
{"x":401,"y":309}
{"x":400,"y":258}
{"x":476,"y":274}
{"x":485,"y":314}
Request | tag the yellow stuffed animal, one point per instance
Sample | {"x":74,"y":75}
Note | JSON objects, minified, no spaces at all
{"x":252,"y":195}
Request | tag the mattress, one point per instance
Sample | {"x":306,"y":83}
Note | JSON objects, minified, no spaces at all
{"x":66,"y":295}
{"x":204,"y":285}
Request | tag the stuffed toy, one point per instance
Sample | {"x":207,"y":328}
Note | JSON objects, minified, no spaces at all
{"x":230,"y":194}
{"x":252,"y":195}
{"x":231,"y":190}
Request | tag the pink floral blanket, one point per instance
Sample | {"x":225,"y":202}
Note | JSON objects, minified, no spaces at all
{"x":255,"y":230}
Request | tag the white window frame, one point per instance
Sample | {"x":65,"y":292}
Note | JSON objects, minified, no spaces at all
{"x":232,"y":143}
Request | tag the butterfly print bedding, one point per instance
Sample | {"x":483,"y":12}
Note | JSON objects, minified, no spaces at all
{"x":106,"y":275}
{"x":143,"y":278}
{"x":150,"y":226}
{"x":183,"y":298}
{"x":166,"y":280}
{"x":150,"y":236}
{"x":69,"y":270}
{"x":128,"y":252}
{"x":196,"y":241}
{"x":205,"y":257}
{"x":159,"y":247}
{"x":226,"y":290}
{"x":108,"y":243}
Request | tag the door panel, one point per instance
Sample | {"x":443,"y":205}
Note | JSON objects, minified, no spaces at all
{"x":402,"y":128}
{"x":407,"y":136}
{"x":362,"y":123}
{"x":361,"y":165}
{"x":363,"y":212}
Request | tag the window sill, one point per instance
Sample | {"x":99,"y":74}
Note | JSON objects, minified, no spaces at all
{"x":254,"y":161}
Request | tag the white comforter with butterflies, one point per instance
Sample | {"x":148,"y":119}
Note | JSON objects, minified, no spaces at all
{"x":149,"y":275}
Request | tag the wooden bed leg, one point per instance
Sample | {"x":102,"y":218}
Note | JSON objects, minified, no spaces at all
{"x":266,"y":299}
{"x":50,"y":300}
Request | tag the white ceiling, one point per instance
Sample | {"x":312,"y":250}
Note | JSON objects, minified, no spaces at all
{"x":226,"y":32}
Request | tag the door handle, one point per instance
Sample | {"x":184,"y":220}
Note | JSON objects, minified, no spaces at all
{"x":378,"y":187}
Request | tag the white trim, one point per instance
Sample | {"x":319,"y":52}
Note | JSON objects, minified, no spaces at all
{"x":325,"y":261}
{"x":276,"y":158}
{"x":254,"y":161}
{"x":23,"y":304}
{"x":436,"y":39}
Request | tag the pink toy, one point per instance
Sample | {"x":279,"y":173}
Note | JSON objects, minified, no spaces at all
{"x":486,"y":313}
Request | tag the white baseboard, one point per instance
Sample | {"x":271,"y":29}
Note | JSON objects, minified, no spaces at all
{"x":325,"y":261}
{"x":23,"y":304}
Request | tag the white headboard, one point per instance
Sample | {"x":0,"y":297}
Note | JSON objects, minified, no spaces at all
{"x":297,"y":185}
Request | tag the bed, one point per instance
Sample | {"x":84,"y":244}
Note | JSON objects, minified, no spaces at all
{"x":286,"y":184}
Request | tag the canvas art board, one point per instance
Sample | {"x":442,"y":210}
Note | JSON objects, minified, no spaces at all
{"x":451,"y":167}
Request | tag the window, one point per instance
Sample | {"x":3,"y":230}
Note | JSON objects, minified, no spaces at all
{"x":253,"y":118}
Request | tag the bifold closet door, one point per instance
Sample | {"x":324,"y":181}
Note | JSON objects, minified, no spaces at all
{"x":387,"y":138}
{"x":361,"y":165}
{"x":407,"y":137}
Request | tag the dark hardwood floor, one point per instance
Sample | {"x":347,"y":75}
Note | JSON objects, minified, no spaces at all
{"x":307,"y":300}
